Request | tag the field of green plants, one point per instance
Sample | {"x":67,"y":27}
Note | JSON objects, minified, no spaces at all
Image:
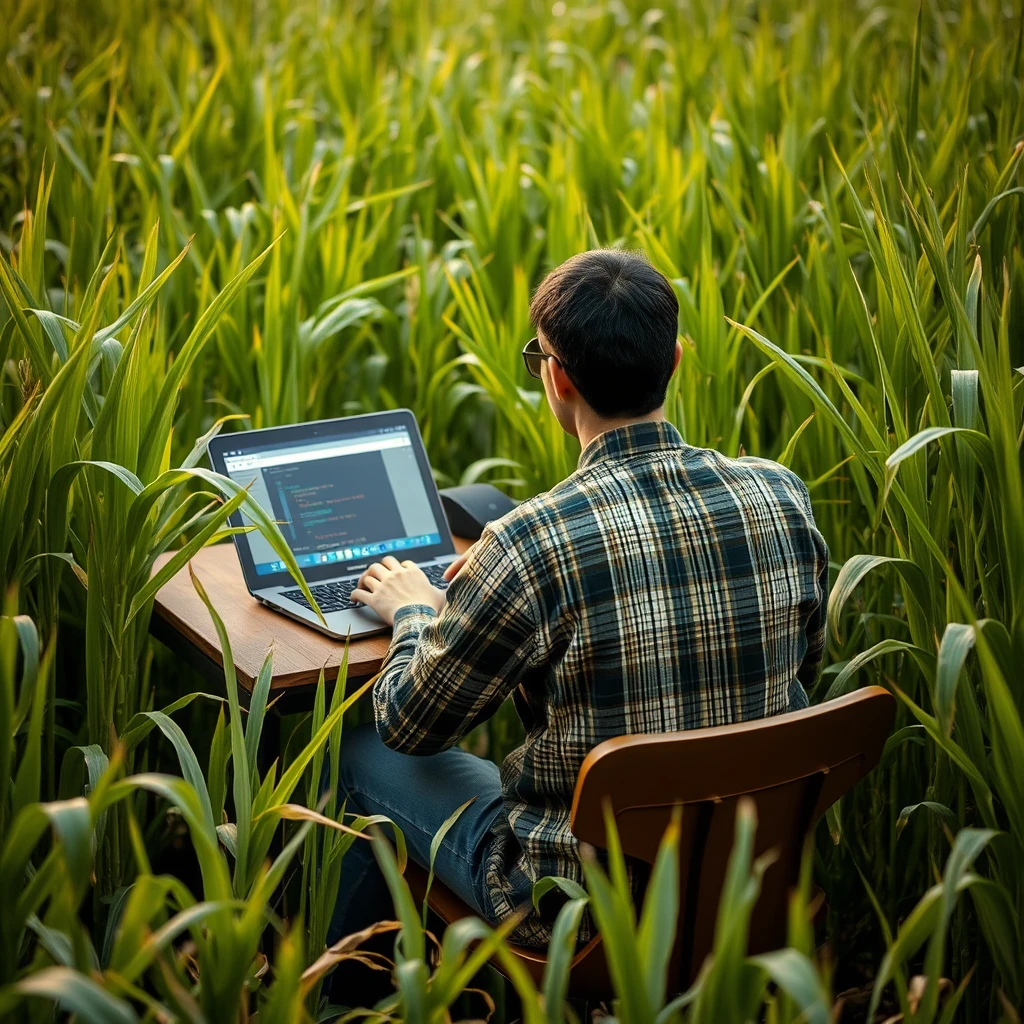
{"x":217,"y":214}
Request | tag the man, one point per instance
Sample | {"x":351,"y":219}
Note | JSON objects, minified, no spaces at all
{"x":660,"y":587}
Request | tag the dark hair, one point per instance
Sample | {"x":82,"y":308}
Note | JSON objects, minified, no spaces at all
{"x":612,"y":320}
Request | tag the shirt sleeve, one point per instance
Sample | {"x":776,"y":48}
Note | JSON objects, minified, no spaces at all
{"x":445,"y":672}
{"x":816,"y":629}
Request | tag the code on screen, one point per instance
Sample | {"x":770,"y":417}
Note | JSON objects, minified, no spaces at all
{"x":333,"y":503}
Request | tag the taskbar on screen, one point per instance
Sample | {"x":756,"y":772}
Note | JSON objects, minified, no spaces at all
{"x":347,"y":554}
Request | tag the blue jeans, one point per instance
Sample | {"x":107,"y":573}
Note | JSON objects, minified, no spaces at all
{"x":417,"y":794}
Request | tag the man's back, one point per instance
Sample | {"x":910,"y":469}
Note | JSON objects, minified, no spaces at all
{"x":660,"y":587}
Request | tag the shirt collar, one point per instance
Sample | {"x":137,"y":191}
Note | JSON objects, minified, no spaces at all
{"x":632,"y":439}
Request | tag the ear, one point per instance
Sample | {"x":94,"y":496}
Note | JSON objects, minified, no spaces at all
{"x":564,"y":388}
{"x":677,"y":357}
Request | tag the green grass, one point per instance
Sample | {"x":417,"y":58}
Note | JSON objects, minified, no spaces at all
{"x":216,"y":214}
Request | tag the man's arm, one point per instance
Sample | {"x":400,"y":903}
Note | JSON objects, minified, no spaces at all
{"x":445,"y":672}
{"x":816,"y":630}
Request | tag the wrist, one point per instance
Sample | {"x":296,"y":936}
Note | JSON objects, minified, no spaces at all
{"x":410,"y":619}
{"x":415,"y":608}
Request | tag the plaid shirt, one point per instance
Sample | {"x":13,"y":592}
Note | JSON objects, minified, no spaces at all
{"x":660,"y":587}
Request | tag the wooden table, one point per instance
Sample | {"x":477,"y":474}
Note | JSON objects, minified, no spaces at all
{"x":180,"y":620}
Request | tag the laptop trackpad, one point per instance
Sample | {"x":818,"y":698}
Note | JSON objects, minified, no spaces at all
{"x":355,"y":622}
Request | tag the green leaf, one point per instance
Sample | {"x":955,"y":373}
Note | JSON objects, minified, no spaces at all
{"x":345,"y":314}
{"x":908,"y":734}
{"x":241,"y":780}
{"x":841,"y":683}
{"x":929,"y":918}
{"x":544,"y":885}
{"x":13,"y":297}
{"x":163,"y":937}
{"x":656,"y":933}
{"x":182,"y":556}
{"x":257,"y":709}
{"x":93,"y":760}
{"x":964,"y":388}
{"x":915,"y":80}
{"x":28,"y":644}
{"x":982,"y":790}
{"x":227,"y":833}
{"x":435,"y":845}
{"x":199,"y":448}
{"x":999,"y":924}
{"x":795,"y":372}
{"x":57,"y":944}
{"x":53,"y":326}
{"x":141,"y":724}
{"x":957,"y":641}
{"x":786,"y":456}
{"x":142,"y":301}
{"x":28,"y":778}
{"x":217,"y":767}
{"x":268,"y":528}
{"x":797,"y":976}
{"x":71,"y":821}
{"x":560,"y":953}
{"x":856,"y":568}
{"x":65,"y":475}
{"x":216,"y":880}
{"x":978,"y":442}
{"x":76,"y":994}
{"x":412,"y":940}
{"x":387,"y":194}
{"x":940,"y":809}
{"x":187,"y":759}
{"x":155,"y":438}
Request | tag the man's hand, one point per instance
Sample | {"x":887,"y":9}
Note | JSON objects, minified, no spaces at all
{"x":389,"y":585}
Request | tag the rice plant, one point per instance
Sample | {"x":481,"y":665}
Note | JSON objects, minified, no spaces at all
{"x":217,"y":214}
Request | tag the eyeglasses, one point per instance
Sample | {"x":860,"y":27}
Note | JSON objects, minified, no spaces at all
{"x":534,"y":355}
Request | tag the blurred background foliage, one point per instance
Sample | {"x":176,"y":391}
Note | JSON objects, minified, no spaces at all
{"x":217,"y":214}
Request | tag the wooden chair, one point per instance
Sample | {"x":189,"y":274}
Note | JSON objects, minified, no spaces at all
{"x":794,"y":766}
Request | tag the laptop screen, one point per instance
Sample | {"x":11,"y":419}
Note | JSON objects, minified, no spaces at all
{"x":342,"y":499}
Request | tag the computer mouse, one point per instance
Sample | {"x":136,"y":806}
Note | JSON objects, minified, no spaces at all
{"x":471,"y":507}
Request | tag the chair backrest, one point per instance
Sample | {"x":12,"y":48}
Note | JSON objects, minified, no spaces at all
{"x":794,"y":766}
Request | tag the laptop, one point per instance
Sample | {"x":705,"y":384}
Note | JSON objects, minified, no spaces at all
{"x":345,"y":493}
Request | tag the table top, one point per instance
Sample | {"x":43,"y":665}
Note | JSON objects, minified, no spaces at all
{"x":181,"y":619}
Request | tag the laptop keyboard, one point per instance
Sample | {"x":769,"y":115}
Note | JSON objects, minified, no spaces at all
{"x":336,"y":597}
